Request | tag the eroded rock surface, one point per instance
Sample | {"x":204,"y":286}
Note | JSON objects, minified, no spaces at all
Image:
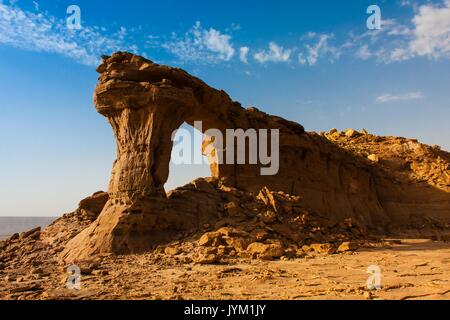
{"x":145,"y":102}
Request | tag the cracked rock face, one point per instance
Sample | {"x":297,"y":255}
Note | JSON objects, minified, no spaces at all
{"x":145,"y":102}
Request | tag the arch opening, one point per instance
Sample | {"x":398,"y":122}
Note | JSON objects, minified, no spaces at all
{"x":187,"y":161}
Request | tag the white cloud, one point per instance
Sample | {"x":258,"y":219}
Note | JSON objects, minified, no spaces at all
{"x":42,"y":32}
{"x":275,"y":53}
{"x":383,"y":45}
{"x":301,"y":58}
{"x":201,"y":45}
{"x":364,"y":52}
{"x":219,"y":43}
{"x":398,"y":54}
{"x":122,"y":33}
{"x":243,"y":53}
{"x":235,"y":27}
{"x":321,"y":48}
{"x":406,"y":3}
{"x":400,"y":97}
{"x":432,"y":31}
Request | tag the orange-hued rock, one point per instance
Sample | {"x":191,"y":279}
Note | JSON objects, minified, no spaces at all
{"x":145,"y":102}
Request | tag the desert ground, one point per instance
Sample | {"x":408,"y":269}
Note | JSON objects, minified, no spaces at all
{"x":410,"y":269}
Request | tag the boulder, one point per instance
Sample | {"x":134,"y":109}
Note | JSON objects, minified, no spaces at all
{"x":265,"y":251}
{"x":351,"y":133}
{"x":32,"y":234}
{"x":93,"y":205}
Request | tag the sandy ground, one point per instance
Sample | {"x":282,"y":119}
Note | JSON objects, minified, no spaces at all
{"x":414,"y":269}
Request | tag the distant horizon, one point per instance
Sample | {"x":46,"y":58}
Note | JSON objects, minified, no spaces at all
{"x":17,"y":224}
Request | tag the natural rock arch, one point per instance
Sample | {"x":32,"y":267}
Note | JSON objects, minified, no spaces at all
{"x":145,"y":102}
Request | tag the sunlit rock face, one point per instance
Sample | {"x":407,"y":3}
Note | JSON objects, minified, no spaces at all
{"x":145,"y":102}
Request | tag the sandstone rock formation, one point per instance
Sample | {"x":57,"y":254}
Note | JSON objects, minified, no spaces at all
{"x":145,"y":102}
{"x":413,"y":179}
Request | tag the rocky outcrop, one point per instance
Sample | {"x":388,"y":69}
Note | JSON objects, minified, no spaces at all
{"x":412,"y":179}
{"x":145,"y":102}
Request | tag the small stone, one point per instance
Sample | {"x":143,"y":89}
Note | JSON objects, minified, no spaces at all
{"x":172,"y":251}
{"x":347,"y":246}
{"x":100,"y":272}
{"x":333,"y":131}
{"x":15,"y":236}
{"x":373,"y":158}
{"x":323,"y":248}
{"x":232,"y":208}
{"x":87,"y":267}
{"x":261,"y":235}
{"x":209,"y":238}
{"x":206,"y":259}
{"x":368,"y":295}
{"x":306,"y":248}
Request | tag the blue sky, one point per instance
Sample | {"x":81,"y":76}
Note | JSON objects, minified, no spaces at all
{"x":314,"y":62}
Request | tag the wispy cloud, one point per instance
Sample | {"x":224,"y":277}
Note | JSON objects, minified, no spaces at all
{"x":427,"y":34}
{"x":275,"y":53}
{"x":44,"y":33}
{"x":381,"y":44}
{"x":364,"y":52}
{"x":399,"y":97}
{"x":243,"y":53}
{"x":321,"y":48}
{"x":201,"y":45}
